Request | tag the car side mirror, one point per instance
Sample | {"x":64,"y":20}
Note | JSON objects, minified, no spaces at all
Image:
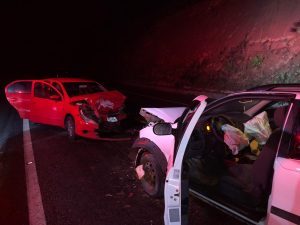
{"x":55,"y":97}
{"x":162,"y":129}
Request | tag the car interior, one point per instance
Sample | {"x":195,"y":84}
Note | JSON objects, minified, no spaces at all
{"x":240,"y":179}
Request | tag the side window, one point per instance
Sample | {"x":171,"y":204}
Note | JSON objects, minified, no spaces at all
{"x":290,"y":140}
{"x":294,"y":152}
{"x":42,"y":90}
{"x":58,"y":87}
{"x":244,"y":130}
{"x":23,"y":87}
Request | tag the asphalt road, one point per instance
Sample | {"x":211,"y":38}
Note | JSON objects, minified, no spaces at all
{"x":83,"y":182}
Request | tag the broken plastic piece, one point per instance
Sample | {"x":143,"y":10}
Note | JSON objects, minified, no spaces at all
{"x":140,"y":171}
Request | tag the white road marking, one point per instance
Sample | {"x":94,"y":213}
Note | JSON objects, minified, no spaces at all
{"x":34,"y":198}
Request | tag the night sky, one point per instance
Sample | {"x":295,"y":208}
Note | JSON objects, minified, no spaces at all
{"x":42,"y":38}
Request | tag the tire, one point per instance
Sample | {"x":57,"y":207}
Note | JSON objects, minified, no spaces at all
{"x":153,"y":181}
{"x":70,"y":127}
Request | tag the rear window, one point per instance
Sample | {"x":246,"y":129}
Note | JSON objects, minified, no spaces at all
{"x":20,"y":87}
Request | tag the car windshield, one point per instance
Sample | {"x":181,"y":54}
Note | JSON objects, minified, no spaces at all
{"x":82,"y":88}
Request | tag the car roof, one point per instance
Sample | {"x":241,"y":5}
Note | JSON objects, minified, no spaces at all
{"x":67,"y":79}
{"x":271,"y":93}
{"x":277,"y":87}
{"x":281,"y":91}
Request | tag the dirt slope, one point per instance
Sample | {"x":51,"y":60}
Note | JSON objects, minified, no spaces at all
{"x":227,"y":44}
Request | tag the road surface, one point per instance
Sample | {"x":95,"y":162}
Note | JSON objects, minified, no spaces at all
{"x":82,"y":182}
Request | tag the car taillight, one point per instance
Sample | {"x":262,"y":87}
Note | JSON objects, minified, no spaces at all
{"x":297,"y":138}
{"x":295,"y":153}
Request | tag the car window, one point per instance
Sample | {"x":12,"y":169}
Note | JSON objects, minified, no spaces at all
{"x":231,"y":129}
{"x":23,"y":87}
{"x":58,"y":87}
{"x":42,"y":90}
{"x":241,"y":106}
{"x":291,"y":140}
{"x":82,"y":88}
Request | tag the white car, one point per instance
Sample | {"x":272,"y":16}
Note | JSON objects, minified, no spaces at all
{"x":240,"y":154}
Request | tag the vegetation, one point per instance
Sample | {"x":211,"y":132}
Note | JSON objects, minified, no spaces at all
{"x":257,"y":61}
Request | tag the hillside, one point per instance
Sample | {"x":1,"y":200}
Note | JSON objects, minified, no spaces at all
{"x":220,"y":44}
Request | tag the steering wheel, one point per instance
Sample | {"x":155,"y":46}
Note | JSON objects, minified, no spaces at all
{"x":196,"y":145}
{"x":217,"y":122}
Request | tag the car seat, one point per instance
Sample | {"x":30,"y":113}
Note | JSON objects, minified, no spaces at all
{"x":250,"y":184}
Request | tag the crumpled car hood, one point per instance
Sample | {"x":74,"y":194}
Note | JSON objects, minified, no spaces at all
{"x":103,"y":102}
{"x":168,"y":115}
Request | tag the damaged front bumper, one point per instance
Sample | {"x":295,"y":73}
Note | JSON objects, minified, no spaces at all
{"x":111,"y":122}
{"x":89,"y":125}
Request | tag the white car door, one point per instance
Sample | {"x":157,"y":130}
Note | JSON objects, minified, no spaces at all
{"x":172,"y":214}
{"x":284,"y":203}
{"x":284,"y":207}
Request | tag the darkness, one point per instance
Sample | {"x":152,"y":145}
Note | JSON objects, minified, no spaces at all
{"x":74,"y":38}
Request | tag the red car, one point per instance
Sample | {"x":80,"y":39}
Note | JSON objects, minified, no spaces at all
{"x":84,"y":107}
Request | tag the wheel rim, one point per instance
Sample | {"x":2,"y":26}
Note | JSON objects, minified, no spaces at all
{"x":150,"y":174}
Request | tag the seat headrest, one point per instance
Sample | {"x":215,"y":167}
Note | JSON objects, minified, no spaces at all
{"x":279,"y":116}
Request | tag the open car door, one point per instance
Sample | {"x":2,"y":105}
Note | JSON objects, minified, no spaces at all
{"x":174,"y":213}
{"x":19,"y":95}
{"x":47,"y":104}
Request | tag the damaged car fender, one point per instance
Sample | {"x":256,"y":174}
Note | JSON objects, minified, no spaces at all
{"x":155,"y":155}
{"x":151,"y":167}
{"x":164,"y":143}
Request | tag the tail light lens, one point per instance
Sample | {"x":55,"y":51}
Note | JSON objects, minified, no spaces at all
{"x":295,"y":153}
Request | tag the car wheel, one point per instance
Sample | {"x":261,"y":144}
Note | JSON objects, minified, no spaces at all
{"x":153,"y":180}
{"x":70,"y":127}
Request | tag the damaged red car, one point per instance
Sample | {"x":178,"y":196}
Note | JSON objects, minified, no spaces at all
{"x":83,"y":107}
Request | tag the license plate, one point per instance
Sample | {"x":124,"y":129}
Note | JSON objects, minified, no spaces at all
{"x":112,"y":119}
